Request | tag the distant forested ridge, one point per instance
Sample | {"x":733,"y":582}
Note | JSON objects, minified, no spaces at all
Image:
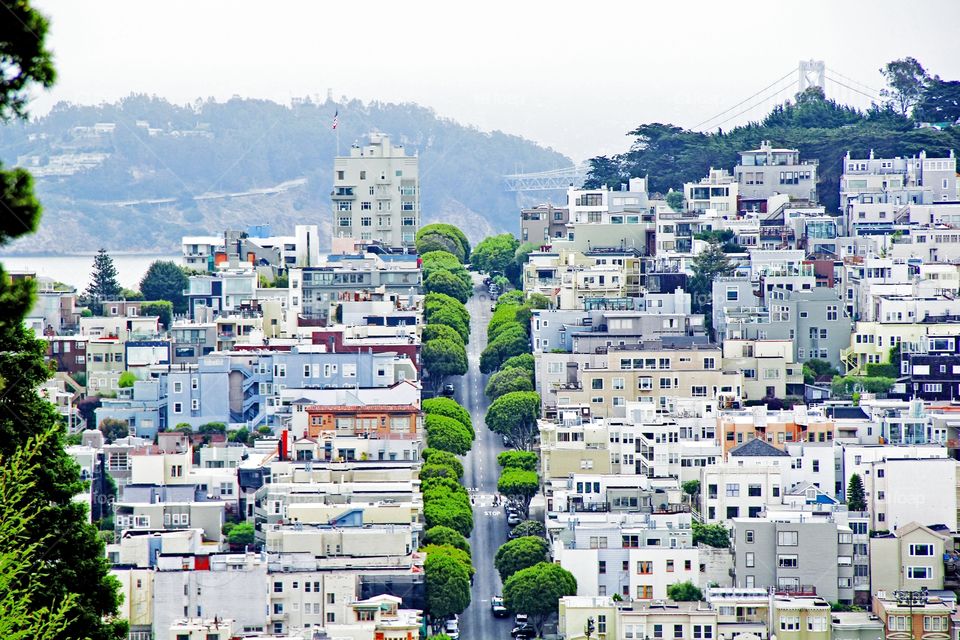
{"x":138,"y":174}
{"x":820,"y":128}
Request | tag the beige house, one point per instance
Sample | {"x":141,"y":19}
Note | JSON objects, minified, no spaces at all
{"x":911,"y":558}
{"x":652,"y":373}
{"x":768,"y":366}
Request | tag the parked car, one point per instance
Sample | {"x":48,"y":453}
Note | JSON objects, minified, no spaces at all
{"x":523,"y":632}
{"x":496,"y":606}
{"x":513,"y":519}
{"x":452,"y":627}
{"x":520,"y":619}
{"x":448,"y":390}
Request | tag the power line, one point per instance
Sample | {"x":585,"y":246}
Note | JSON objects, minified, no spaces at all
{"x":775,"y":82}
{"x":757,"y":104}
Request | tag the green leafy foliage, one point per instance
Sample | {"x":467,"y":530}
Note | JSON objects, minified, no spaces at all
{"x":127,"y":379}
{"x":520,"y":553}
{"x":436,"y":457}
{"x":446,"y":536}
{"x":450,"y":408}
{"x":814,"y":368}
{"x":241,"y":534}
{"x":103,"y":281}
{"x":508,"y":380}
{"x":443,"y":237}
{"x":713,"y":535}
{"x":443,"y":358}
{"x":675,"y":200}
{"x":691,"y":487}
{"x":523,"y":361}
{"x":495,"y":254}
{"x":112,"y":429}
{"x":448,"y":512}
{"x":165,"y":280}
{"x":530,"y":528}
{"x":161,"y":308}
{"x":441,"y":331}
{"x":707,"y":266}
{"x":856,"y":495}
{"x":515,"y":415}
{"x":849,"y":385}
{"x":511,"y":341}
{"x":439,"y":308}
{"x":520,"y":485}
{"x":448,"y":585}
{"x":906,"y":79}
{"x":445,"y":261}
{"x":537,"y":590}
{"x":524,"y":460}
{"x":684,"y":592}
{"x":445,"y":282}
{"x":447,"y":434}
{"x":26,"y":63}
{"x":461,"y":556}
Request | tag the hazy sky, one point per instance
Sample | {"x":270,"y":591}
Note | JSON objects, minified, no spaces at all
{"x":575,"y":76}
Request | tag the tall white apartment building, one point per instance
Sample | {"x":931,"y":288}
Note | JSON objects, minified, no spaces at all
{"x":376,"y":196}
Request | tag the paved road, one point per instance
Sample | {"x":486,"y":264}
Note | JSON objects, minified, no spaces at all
{"x":480,"y":477}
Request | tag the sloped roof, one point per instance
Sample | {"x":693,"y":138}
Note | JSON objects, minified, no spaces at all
{"x":758,"y":448}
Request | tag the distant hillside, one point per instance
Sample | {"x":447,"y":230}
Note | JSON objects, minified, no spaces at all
{"x":139,"y":174}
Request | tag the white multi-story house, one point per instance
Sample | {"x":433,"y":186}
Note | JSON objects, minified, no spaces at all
{"x":376,"y":196}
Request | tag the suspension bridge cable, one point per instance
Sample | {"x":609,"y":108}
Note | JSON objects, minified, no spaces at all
{"x":775,"y":82}
{"x":874,"y":98}
{"x":756,"y":104}
{"x":853,"y":80}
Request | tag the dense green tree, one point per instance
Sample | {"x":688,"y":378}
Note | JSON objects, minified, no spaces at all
{"x":519,"y":485}
{"x":514,"y":297}
{"x":443,"y":358}
{"x":515,"y":415}
{"x":525,"y":460}
{"x":495,"y":254}
{"x":906,"y":79}
{"x":112,"y":429}
{"x":54,"y":577}
{"x":712,"y":535}
{"x":241,"y":535}
{"x":529,"y":528}
{"x":537,"y":590}
{"x":940,"y":102}
{"x":461,"y":556}
{"x":523,"y":361}
{"x":707,"y":266}
{"x":520,"y":553}
{"x":103,"y":281}
{"x":512,"y":341}
{"x":443,"y":237}
{"x":507,"y":380}
{"x":691,"y":487}
{"x":434,"y":331}
{"x":127,"y":379}
{"x":447,"y":434}
{"x":675,"y":200}
{"x":849,"y":385}
{"x":814,"y":368}
{"x":684,"y":592}
{"x":450,"y":408}
{"x":165,"y":280}
{"x":439,"y":308}
{"x":445,"y":261}
{"x":445,"y":535}
{"x":504,"y":316}
{"x":442,"y":458}
{"x":22,"y":570}
{"x":856,"y":496}
{"x":161,"y":308}
{"x":443,"y":281}
{"x":438,"y":471}
{"x":448,"y":586}
{"x":520,"y":257}
{"x":538,"y":301}
{"x":448,"y":512}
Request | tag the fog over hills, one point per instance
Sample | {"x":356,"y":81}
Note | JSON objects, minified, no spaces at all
{"x":138,"y":174}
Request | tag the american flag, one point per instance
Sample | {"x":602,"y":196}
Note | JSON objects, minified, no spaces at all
{"x":336,"y":119}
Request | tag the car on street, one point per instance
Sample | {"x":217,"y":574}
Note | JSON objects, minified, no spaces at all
{"x":523,"y":631}
{"x":448,"y":390}
{"x":493,"y":307}
{"x":452,"y":628}
{"x":513,"y":519}
{"x":496,"y":606}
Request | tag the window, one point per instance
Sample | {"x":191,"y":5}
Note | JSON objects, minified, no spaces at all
{"x":195,"y":405}
{"x":670,"y":566}
{"x":921,"y":549}
{"x":934,"y":623}
{"x":919,"y":573}
{"x":750,"y":560}
{"x":596,"y":384}
{"x":753,"y":490}
{"x":178,"y":407}
{"x":601,"y":623}
{"x":331,"y":598}
{"x":733,"y":490}
{"x":698,"y":391}
{"x":748,"y":536}
{"x":644,"y":567}
{"x":787,"y":538}
{"x":787,"y":561}
{"x":709,"y":363}
{"x":678,"y":631}
{"x":789,"y":623}
{"x":178,"y":387}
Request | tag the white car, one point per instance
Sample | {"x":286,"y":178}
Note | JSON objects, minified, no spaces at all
{"x":452,"y":629}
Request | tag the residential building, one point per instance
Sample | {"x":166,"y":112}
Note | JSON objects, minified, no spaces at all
{"x":543,"y":223}
{"x":718,"y":192}
{"x":376,"y":195}
{"x":768,"y":366}
{"x":806,"y":556}
{"x":914,"y":615}
{"x":636,"y":619}
{"x":776,"y":428}
{"x":910,"y":558}
{"x":904,"y":490}
{"x":732,"y":490}
{"x":930,"y":369}
{"x":769,"y":171}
